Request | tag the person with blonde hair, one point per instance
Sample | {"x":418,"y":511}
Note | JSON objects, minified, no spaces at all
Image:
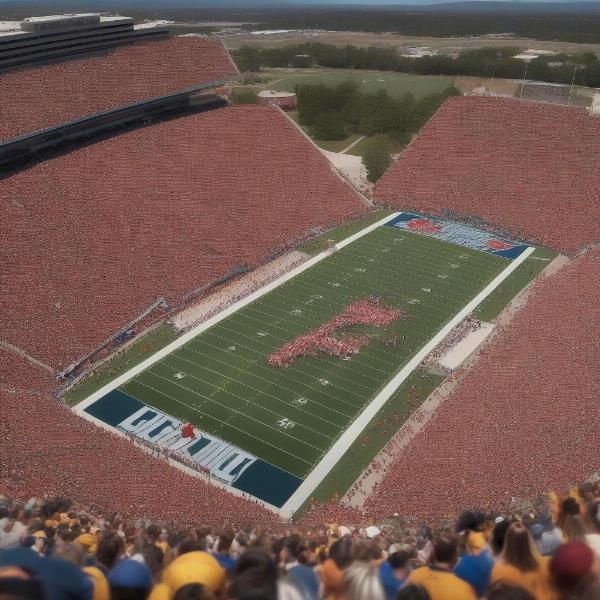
{"x":361,"y":582}
{"x":521,"y":564}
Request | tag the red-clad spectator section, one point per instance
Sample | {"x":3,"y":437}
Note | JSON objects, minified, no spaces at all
{"x":523,"y":420}
{"x":525,"y":167}
{"x":33,"y":99}
{"x":90,"y":239}
{"x":51,"y":451}
{"x":19,"y":374}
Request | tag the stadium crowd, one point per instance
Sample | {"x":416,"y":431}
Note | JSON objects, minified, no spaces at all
{"x":50,"y":550}
{"x":506,"y":162}
{"x":522,"y":416}
{"x":174,"y":227}
{"x":365,"y":311}
{"x":99,"y":83}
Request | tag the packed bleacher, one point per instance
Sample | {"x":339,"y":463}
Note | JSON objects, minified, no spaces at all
{"x":525,"y":167}
{"x":47,"y":449}
{"x":54,"y":550}
{"x":37,"y":98}
{"x":523,"y":418}
{"x":91,"y":238}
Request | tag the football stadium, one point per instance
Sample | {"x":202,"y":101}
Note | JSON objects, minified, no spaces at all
{"x":213,"y":343}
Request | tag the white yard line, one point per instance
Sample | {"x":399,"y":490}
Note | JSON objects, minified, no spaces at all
{"x":362,"y":137}
{"x":355,"y":429}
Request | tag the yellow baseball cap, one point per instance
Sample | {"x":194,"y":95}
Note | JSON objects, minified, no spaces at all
{"x":194,"y":567}
{"x":87,"y":540}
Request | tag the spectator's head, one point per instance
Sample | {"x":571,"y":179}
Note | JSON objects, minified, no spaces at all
{"x":110,"y":549}
{"x":194,"y":567}
{"x":593,"y":515}
{"x":254,"y":584}
{"x":568,"y":507}
{"x":71,"y":552}
{"x":470,"y":521}
{"x":226,"y":537}
{"x":399,"y":560}
{"x":153,"y":532}
{"x":503,"y":590}
{"x":575,"y":528}
{"x":499,"y":535}
{"x":519,"y":548}
{"x":257,"y":559}
{"x":191,"y":545}
{"x":361,"y":581}
{"x":342,"y":552}
{"x":130,"y":580}
{"x":413,"y":592}
{"x":571,"y":566}
{"x":193,"y":591}
{"x":294,"y":549}
{"x":445,"y":549}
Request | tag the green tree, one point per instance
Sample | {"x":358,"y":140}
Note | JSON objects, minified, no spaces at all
{"x":377,"y":159}
{"x":244,"y":97}
{"x":248,"y":59}
{"x":329,"y":125}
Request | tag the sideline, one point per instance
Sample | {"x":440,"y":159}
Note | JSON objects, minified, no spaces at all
{"x":349,"y":436}
{"x":184,"y":339}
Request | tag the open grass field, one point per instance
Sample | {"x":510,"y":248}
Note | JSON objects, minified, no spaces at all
{"x":222,"y":382}
{"x":369,"y":82}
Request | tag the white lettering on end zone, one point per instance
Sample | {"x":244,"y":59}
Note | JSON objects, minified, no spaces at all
{"x":225,"y":461}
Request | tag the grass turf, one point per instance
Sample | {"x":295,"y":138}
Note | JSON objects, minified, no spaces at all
{"x":324,"y":241}
{"x":130,"y":357}
{"x":230,"y":390}
{"x":380,"y":430}
{"x":369,"y":82}
{"x":525,"y":273}
{"x":394,"y":146}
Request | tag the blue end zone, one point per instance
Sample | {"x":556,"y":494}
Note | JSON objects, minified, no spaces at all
{"x":459,"y":234}
{"x":228,"y":464}
{"x":269,"y":483}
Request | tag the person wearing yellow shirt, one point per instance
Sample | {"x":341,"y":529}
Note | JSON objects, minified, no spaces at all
{"x":521,"y":564}
{"x":437,"y":578}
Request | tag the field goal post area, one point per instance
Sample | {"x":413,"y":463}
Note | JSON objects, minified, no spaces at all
{"x":224,"y":463}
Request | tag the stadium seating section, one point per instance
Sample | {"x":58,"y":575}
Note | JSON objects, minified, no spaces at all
{"x":93,"y":237}
{"x":52,"y":451}
{"x":82,"y":87}
{"x":527,"y":168}
{"x":522,"y":419}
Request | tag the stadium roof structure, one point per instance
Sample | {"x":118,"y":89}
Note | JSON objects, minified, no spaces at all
{"x":526,"y":167}
{"x":91,"y":238}
{"x":81,"y":87}
{"x":523,"y":419}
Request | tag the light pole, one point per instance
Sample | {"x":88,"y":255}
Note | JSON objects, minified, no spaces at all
{"x":524,"y":78}
{"x":572,"y":84}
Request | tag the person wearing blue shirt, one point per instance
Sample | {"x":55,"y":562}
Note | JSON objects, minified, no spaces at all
{"x":393,"y":572}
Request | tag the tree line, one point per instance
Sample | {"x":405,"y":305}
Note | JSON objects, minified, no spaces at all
{"x":572,"y":22}
{"x":333,"y":113}
{"x":583,"y":68}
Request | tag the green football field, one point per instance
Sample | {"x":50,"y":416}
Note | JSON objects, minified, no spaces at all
{"x":222,"y":382}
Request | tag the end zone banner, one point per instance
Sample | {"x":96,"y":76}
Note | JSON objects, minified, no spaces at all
{"x":459,"y":234}
{"x":227,"y":463}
